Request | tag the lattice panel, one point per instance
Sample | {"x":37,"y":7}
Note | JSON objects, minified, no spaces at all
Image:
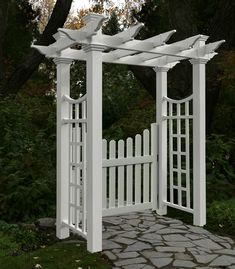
{"x":179,"y":117}
{"x":77,"y":164}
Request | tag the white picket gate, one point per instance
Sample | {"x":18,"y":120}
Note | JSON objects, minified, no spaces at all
{"x":130,"y":173}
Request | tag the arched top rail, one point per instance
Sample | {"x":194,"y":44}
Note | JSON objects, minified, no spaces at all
{"x":74,"y":101}
{"x":189,"y":98}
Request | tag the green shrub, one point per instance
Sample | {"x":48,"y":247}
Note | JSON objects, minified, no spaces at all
{"x":220,"y":168}
{"x":221,"y":216}
{"x":27,"y":158}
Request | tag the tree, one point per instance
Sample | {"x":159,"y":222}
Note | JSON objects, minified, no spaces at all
{"x":31,"y":61}
{"x":210,"y":17}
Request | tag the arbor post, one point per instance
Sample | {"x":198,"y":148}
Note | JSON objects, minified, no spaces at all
{"x":199,"y":138}
{"x":161,"y":111}
{"x":94,"y":147}
{"x":62,"y":134}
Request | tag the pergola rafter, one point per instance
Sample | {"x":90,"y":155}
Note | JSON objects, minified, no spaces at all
{"x":124,"y":48}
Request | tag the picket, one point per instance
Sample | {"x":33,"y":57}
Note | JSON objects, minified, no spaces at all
{"x":120,"y":179}
{"x":129,"y":172}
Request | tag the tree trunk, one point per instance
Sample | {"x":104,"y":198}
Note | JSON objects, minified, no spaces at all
{"x":3,"y":25}
{"x":32,"y":60}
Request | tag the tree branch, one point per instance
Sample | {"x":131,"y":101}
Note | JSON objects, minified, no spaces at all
{"x":32,"y":60}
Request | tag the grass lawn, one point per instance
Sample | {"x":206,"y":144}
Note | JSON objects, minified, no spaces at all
{"x":60,"y":255}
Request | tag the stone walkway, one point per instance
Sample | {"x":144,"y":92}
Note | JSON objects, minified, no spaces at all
{"x":144,"y":240}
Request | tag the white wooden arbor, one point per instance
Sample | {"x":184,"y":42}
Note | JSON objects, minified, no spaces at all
{"x":86,"y":113}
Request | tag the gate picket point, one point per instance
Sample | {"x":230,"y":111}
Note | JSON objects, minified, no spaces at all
{"x":97,"y":178}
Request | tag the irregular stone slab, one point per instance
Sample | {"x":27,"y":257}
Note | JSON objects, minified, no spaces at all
{"x":175,"y":237}
{"x":154,"y":254}
{"x":112,"y":228}
{"x":170,"y":249}
{"x":113,"y":233}
{"x":110,"y":255}
{"x":205,"y":258}
{"x":107,"y":244}
{"x":126,"y":255}
{"x":45,"y":223}
{"x":226,"y":245}
{"x":148,"y":218}
{"x":127,"y":227}
{"x":152,"y":236}
{"x":216,"y":238}
{"x":195,"y":237}
{"x":134,"y":222}
{"x":226,"y":251}
{"x":223,"y":260}
{"x":148,"y":267}
{"x":130,"y":261}
{"x":198,"y":230}
{"x":207,"y":243}
{"x":130,"y":216}
{"x":155,"y":228}
{"x":202,"y":250}
{"x":138,"y":246}
{"x":114,"y":221}
{"x":134,"y":266}
{"x":132,"y":234}
{"x":176,"y":226}
{"x":186,"y":264}
{"x":123,"y":240}
{"x":152,"y":241}
{"x":161,"y":262}
{"x":180,"y":244}
{"x":228,"y":239}
{"x":171,"y":231}
{"x":170,"y":221}
{"x":116,"y":250}
{"x":183,"y":256}
{"x":106,"y":235}
{"x":149,"y":223}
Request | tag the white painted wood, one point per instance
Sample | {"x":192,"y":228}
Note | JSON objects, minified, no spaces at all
{"x":74,"y":101}
{"x":104,"y":174}
{"x":146,"y":184}
{"x":126,"y":209}
{"x":161,"y":88}
{"x":137,"y":170}
{"x":84,"y":170}
{"x":129,"y":143}
{"x":186,"y":209}
{"x":94,"y":148}
{"x":154,"y":166}
{"x":179,"y":155}
{"x":127,"y":161}
{"x":199,"y":170}
{"x":187,"y":147}
{"x":171,"y":152}
{"x":62,"y":133}
{"x":112,"y":174}
{"x":120,"y":179}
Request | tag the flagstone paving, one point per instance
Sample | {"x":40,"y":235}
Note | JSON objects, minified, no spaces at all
{"x":145,"y":240}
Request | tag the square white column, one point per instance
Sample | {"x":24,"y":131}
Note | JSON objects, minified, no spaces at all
{"x":62,"y":138}
{"x":94,"y":147}
{"x":199,"y":140}
{"x":161,"y":111}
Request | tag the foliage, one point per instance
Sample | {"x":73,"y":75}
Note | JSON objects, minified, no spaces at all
{"x":138,"y":118}
{"x":27,"y":157}
{"x":59,"y":256}
{"x":221,"y":216}
{"x":22,"y":247}
{"x":21,"y":30}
